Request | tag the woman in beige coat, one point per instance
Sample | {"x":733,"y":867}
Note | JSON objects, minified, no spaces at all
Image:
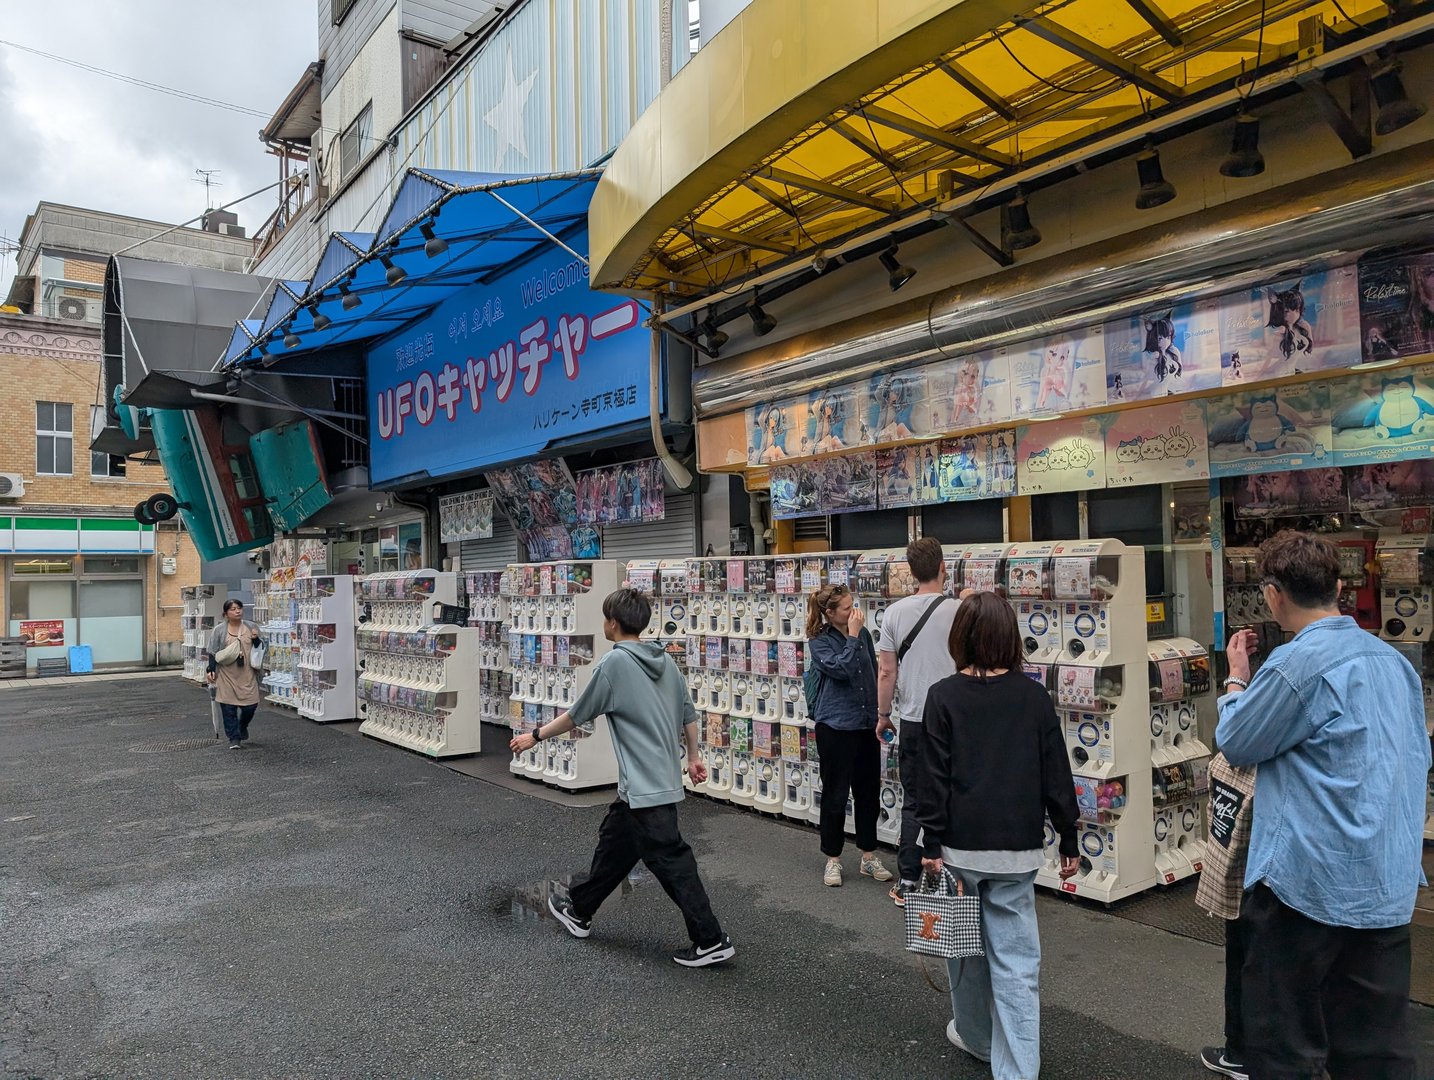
{"x":236,"y":684}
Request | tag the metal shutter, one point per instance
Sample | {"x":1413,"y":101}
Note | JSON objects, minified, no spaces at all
{"x":674,"y":537}
{"x":494,"y":553}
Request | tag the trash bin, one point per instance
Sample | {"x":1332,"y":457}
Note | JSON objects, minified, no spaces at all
{"x":82,"y":660}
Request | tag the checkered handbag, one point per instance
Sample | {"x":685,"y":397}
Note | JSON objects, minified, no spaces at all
{"x":943,"y":921}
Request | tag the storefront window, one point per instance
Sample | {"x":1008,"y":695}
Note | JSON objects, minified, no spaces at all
{"x":41,"y":600}
{"x":111,"y":565}
{"x":112,"y":620}
{"x":48,"y":565}
{"x":876,"y":529}
{"x":1134,"y":516}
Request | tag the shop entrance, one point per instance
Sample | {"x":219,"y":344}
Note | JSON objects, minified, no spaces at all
{"x":56,"y":601}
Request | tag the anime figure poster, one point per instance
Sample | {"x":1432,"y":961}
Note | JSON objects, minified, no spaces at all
{"x":1058,"y":373}
{"x":794,"y":492}
{"x":965,"y":468}
{"x":928,"y":471}
{"x":1384,"y":415}
{"x":1163,"y":352}
{"x":898,"y":472}
{"x":538,"y":494}
{"x":847,"y":483}
{"x":621,"y":494}
{"x":776,"y":431}
{"x":1001,"y":473}
{"x":1262,"y":430}
{"x":587,"y":542}
{"x":547,"y":543}
{"x":897,"y":408}
{"x":1291,"y":494}
{"x":1062,"y":455}
{"x":1162,"y":444}
{"x":834,"y":422}
{"x":1396,"y":305}
{"x":971,"y":392}
{"x":466,"y":516}
{"x":1392,"y":485}
{"x":1303,"y":324}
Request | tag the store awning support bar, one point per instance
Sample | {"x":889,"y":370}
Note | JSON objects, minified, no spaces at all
{"x":319,"y":416}
{"x":1353,"y":125}
{"x":1100,"y":56}
{"x":581,"y":258}
{"x":995,"y":252}
{"x":831,"y":191}
{"x":937,"y":136}
{"x":983,"y":93}
{"x":742,"y":240}
{"x":680,"y":474}
{"x":1158,"y":22}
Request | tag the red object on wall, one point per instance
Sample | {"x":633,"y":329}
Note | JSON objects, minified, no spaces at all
{"x":43,"y":633}
{"x":1360,"y":597}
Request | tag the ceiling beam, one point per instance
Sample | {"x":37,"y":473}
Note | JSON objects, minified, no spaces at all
{"x":938,"y":136}
{"x":742,"y":239}
{"x":772,"y":199}
{"x":1100,"y":56}
{"x":997,"y":254}
{"x":983,"y":93}
{"x":1158,"y":21}
{"x":867,"y":146}
{"x":832,"y":191}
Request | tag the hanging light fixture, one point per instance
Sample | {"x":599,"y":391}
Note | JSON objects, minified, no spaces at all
{"x":1245,"y":158}
{"x":291,"y":340}
{"x":1155,"y":190}
{"x":321,"y":321}
{"x":715,"y":338}
{"x":1017,"y":232}
{"x":897,"y":273}
{"x":392,"y":274}
{"x":762,"y":323}
{"x":351,"y":300}
{"x":433,"y":245}
{"x":1395,"y":108}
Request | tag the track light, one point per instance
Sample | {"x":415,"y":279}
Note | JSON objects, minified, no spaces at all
{"x":897,"y":273}
{"x":1155,"y":190}
{"x":321,"y":321}
{"x":351,"y":301}
{"x":762,"y":323}
{"x":1245,"y":158}
{"x":715,"y":338}
{"x":1395,"y":108}
{"x":291,"y":340}
{"x":1017,"y":232}
{"x":434,"y":245}
{"x":392,"y":274}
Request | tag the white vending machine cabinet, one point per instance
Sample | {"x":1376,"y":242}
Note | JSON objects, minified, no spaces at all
{"x":327,"y":656}
{"x":488,"y":614}
{"x":203,"y":609}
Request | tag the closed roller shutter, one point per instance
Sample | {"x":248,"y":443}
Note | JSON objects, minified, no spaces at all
{"x":496,"y":552}
{"x":674,"y":537}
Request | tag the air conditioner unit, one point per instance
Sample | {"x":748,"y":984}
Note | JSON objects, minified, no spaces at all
{"x":12,"y":485}
{"x":73,"y":308}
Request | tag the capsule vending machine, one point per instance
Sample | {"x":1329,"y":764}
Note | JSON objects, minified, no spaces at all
{"x":761,"y":614}
{"x":1179,"y":678}
{"x":869,"y":588}
{"x":717,"y":753}
{"x":1098,"y":683}
{"x":888,"y":809}
{"x":796,"y":781}
{"x":1359,"y":598}
{"x":982,"y":568}
{"x":1406,"y":603}
{"x":767,"y":794}
{"x":1027,"y":572}
{"x":791,"y":603}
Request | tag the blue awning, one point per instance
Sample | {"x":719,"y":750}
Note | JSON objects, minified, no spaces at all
{"x":246,"y":333}
{"x":443,"y":232}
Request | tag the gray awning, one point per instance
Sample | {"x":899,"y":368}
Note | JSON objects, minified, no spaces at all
{"x":171,"y":389}
{"x":113,"y":440}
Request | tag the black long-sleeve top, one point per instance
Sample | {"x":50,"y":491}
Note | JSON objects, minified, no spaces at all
{"x":996,"y":766}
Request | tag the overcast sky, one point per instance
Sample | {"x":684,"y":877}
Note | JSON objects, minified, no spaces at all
{"x":75,"y":137}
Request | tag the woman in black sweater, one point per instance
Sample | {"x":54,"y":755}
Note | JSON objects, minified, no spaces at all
{"x":996,"y":766}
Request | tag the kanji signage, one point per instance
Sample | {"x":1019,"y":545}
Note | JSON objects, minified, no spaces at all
{"x":499,"y":371}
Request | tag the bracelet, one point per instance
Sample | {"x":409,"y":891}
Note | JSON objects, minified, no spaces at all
{"x":1241,"y":683}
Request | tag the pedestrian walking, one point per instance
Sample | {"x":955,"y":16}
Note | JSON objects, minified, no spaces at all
{"x":914,"y":655}
{"x":843,"y":663}
{"x":1335,"y":722}
{"x":650,"y":718}
{"x":996,"y":766}
{"x":1221,"y":889}
{"x":235,"y":682}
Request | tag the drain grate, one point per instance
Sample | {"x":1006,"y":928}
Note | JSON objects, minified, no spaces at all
{"x":169,"y":746}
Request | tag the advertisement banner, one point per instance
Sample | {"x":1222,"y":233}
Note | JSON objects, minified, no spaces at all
{"x":1263,"y":430}
{"x":499,"y":371}
{"x":834,"y":422}
{"x":1396,"y":305}
{"x":1291,"y":494}
{"x":972,"y":391}
{"x":1383,"y":416}
{"x":833,"y":485}
{"x":622,"y":494}
{"x":776,"y":431}
{"x":537,"y":494}
{"x":42,"y":633}
{"x":1391,"y":485}
{"x":898,"y":472}
{"x":1174,"y":351}
{"x":1304,"y":324}
{"x":465,"y":516}
{"x":1061,"y":455}
{"x":898,"y":408}
{"x":978,"y":466}
{"x":1058,"y":373}
{"x":1163,"y":444}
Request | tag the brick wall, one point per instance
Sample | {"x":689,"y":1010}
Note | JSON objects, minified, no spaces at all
{"x":91,"y":270}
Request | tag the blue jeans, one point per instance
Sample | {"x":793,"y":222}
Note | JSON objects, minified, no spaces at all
{"x":236,"y":721}
{"x":996,"y":998}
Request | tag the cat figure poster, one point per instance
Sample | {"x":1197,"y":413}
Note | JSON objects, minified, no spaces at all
{"x":1384,"y":415}
{"x":1058,"y":373}
{"x":1260,"y":430}
{"x":1396,"y":305}
{"x":1061,"y":455}
{"x":1303,"y":324}
{"x":1157,"y":445}
{"x":1174,"y":350}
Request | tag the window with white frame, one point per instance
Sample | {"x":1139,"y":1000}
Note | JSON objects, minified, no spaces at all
{"x":102,"y":464}
{"x":355,"y":142}
{"x":54,"y":438}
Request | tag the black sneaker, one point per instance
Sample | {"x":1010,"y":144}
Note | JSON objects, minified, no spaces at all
{"x":562,"y":910}
{"x":1214,"y":1059}
{"x":899,"y":890}
{"x":693,"y":956}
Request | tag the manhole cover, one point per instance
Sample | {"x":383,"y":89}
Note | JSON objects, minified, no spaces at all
{"x":169,"y":746}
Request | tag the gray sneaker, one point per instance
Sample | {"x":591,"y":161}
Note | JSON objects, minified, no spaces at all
{"x":873,"y":868}
{"x":832,"y":874}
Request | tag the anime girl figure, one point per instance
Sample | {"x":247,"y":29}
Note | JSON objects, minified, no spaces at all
{"x":966,"y":405}
{"x":1005,"y":464}
{"x":829,"y":414}
{"x":630,"y":490}
{"x":1287,"y":318}
{"x":772,"y":443}
{"x":1055,"y":375}
{"x":1160,"y":346}
{"x":896,"y":481}
{"x":892,"y":398}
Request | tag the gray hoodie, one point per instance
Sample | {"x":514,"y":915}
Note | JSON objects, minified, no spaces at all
{"x":645,"y":698}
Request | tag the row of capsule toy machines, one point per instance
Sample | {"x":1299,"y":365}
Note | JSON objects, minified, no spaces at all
{"x":555,"y":638}
{"x":488,"y":614}
{"x":325,"y":690}
{"x":417,"y":684}
{"x":203,"y":608}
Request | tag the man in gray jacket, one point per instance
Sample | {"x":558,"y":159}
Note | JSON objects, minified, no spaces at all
{"x":650,"y":715}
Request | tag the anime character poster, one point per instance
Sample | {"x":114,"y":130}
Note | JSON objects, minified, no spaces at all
{"x":1396,"y":305}
{"x":834,"y":421}
{"x":544,"y":544}
{"x":1309,"y":323}
{"x":846,"y":483}
{"x":621,"y":494}
{"x":538,"y":494}
{"x":1001,"y":473}
{"x":1162,"y":444}
{"x":587,"y":542}
{"x":790,"y":497}
{"x":1163,"y":352}
{"x":898,"y":472}
{"x":1280,"y":428}
{"x":965,"y":464}
{"x":971,"y":392}
{"x":1391,"y":485}
{"x":928,"y":471}
{"x":1058,"y":373}
{"x":776,"y":431}
{"x":1291,"y":494}
{"x":466,"y":516}
{"x":1061,"y":455}
{"x":897,"y":407}
{"x":1383,"y":415}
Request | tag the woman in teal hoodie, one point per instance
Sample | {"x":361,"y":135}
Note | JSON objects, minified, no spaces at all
{"x":650,"y":717}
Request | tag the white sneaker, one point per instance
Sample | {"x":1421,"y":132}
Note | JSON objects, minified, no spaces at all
{"x":832,"y":874}
{"x":954,"y":1038}
{"x":872,"y":868}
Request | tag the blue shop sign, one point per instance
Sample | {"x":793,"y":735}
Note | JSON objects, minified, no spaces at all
{"x":499,"y":372}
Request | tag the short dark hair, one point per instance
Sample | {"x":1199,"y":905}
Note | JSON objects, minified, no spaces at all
{"x":1305,"y":567}
{"x":233,"y":602}
{"x":984,"y":634}
{"x":925,"y":557}
{"x":630,"y":609}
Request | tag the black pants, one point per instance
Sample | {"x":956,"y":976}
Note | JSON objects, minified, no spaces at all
{"x":236,"y":721}
{"x":648,"y":835}
{"x":1323,"y":997}
{"x":913,"y":763}
{"x":1235,"y":932}
{"x":850,"y":762}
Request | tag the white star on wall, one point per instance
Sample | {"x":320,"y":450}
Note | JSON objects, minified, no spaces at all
{"x":506,"y":118}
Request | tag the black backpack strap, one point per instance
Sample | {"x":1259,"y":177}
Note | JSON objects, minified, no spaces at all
{"x":920,"y":625}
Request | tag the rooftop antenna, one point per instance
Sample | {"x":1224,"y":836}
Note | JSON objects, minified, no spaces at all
{"x":206,"y":177}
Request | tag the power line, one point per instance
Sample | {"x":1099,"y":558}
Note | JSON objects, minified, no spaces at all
{"x":186,"y":95}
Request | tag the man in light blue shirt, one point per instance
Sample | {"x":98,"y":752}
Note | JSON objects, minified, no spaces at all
{"x":1335,"y":722}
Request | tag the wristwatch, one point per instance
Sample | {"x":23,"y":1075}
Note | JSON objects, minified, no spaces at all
{"x":538,"y":734}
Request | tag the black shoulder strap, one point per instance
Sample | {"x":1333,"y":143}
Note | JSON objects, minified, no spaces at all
{"x":920,"y":625}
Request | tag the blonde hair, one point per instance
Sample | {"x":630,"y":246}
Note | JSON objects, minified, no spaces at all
{"x":820,"y":603}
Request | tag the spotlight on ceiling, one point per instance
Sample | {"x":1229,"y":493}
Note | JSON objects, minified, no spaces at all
{"x":321,"y":321}
{"x":351,"y":301}
{"x":392,"y":274}
{"x":762,"y":323}
{"x":898,"y":274}
{"x":1017,"y":232}
{"x":1395,"y":108}
{"x":291,"y":340}
{"x":1245,"y":158}
{"x":715,"y":338}
{"x":433,"y":245}
{"x":1155,"y":190}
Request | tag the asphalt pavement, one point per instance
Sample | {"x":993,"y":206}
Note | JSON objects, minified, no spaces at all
{"x":324,"y":905}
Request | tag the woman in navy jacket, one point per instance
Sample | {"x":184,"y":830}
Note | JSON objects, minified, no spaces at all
{"x":841,"y":652}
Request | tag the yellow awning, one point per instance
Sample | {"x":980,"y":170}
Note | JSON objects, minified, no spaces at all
{"x":805,"y":123}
